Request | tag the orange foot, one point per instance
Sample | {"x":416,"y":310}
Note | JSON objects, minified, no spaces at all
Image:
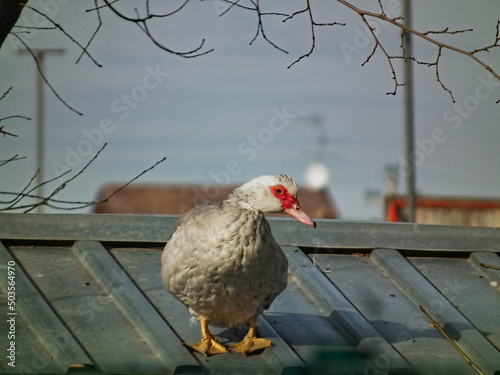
{"x":208,"y":346}
{"x":249,"y":345}
{"x":251,"y":342}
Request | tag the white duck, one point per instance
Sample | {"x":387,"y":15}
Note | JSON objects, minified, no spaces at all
{"x":223,"y":263}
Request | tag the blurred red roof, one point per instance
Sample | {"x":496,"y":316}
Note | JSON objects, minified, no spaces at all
{"x":178,"y":199}
{"x":470,"y":211}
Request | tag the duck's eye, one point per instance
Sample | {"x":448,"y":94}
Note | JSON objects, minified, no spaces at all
{"x":278,"y":190}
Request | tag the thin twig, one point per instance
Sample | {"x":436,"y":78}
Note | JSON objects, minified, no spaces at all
{"x":43,"y":76}
{"x":65,"y":183}
{"x":312,"y":24}
{"x":438,"y":327}
{"x":425,"y":36}
{"x":419,"y":34}
{"x":26,"y":28}
{"x":123,"y":186}
{"x":492,"y":45}
{"x":99,"y":24}
{"x":139,"y":19}
{"x":4,"y":132}
{"x":19,"y":196}
{"x":439,"y":78}
{"x":15,"y":116}
{"x":238,"y":5}
{"x":6,"y":93}
{"x":446,"y":31}
{"x":485,"y":265}
{"x":14,"y":158}
{"x":389,"y":57}
{"x":52,"y":202}
{"x":260,"y":29}
{"x":232,"y":4}
{"x":101,"y":6}
{"x":64,"y":32}
{"x":188,"y":54}
{"x":382,"y":11}
{"x":141,"y":22}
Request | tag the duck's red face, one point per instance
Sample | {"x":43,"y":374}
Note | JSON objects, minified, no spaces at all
{"x":291,"y":205}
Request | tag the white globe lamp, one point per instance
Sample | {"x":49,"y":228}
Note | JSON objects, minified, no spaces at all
{"x":317,"y":176}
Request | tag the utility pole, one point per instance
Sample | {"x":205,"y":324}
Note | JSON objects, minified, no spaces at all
{"x":39,"y":54}
{"x":409,"y":118}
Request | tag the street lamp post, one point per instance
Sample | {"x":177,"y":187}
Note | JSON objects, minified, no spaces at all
{"x":409,"y":118}
{"x":38,"y":54}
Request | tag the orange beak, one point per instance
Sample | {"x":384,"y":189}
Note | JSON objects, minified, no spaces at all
{"x":300,"y":215}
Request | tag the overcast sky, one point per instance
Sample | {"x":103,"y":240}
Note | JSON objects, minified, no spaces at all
{"x":239,"y":112}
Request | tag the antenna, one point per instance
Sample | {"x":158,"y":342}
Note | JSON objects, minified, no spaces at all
{"x":317,"y":174}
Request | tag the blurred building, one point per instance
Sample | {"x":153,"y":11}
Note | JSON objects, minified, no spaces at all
{"x":178,"y":199}
{"x":481,"y":212}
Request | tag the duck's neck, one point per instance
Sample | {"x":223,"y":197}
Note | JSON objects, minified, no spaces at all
{"x":240,"y":199}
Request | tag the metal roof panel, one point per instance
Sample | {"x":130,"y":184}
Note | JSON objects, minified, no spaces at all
{"x":90,"y":298}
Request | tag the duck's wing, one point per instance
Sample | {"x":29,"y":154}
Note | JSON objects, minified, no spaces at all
{"x":199,"y":237}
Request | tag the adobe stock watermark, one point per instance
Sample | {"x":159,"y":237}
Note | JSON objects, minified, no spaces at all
{"x":454,"y":117}
{"x":248,"y":149}
{"x":222,"y":8}
{"x":122,"y":107}
{"x":363,"y":36}
{"x":30,"y":27}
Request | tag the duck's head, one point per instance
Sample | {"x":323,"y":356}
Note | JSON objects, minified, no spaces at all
{"x":271,"y":194}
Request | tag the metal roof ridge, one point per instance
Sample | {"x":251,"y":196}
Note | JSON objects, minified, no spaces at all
{"x":155,"y":331}
{"x":43,"y":321}
{"x":335,"y":306}
{"x":405,"y":276}
{"x":329,"y":233}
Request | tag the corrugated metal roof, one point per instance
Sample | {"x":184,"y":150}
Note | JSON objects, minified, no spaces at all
{"x":89,"y":299}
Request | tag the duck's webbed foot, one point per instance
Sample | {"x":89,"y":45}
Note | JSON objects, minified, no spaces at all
{"x":251,"y":343}
{"x":208,"y":344}
{"x":208,"y":347}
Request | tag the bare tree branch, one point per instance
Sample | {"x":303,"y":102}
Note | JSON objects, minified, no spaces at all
{"x":14,"y":158}
{"x":389,"y":58}
{"x":260,"y":28}
{"x":383,"y":16}
{"x":43,"y":76}
{"x":99,"y":24}
{"x":44,"y":201}
{"x":425,"y":36}
{"x":496,"y":43}
{"x":58,"y":26}
{"x":308,"y":10}
{"x":446,"y":31}
{"x":2,"y":131}
{"x":26,"y":29}
{"x":50,"y":201}
{"x":87,"y":204}
{"x":231,"y":6}
{"x":19,"y":196}
{"x":145,"y":14}
{"x":141,"y":22}
{"x":254,"y":8}
{"x":15,"y":116}
{"x":5,"y":93}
